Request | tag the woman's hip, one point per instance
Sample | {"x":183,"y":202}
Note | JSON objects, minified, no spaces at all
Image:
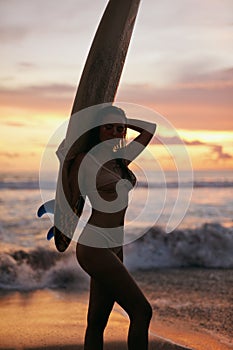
{"x":101,"y":237}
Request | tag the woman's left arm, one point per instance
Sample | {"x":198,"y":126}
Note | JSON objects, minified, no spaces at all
{"x":146,"y":131}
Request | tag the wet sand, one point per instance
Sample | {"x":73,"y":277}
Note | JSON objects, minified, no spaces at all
{"x":54,"y":320}
{"x":196,"y":299}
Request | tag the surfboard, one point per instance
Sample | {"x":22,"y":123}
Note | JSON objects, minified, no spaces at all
{"x":98,"y":84}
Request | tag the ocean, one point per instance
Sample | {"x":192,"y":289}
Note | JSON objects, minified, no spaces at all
{"x":204,"y":238}
{"x":186,"y":273}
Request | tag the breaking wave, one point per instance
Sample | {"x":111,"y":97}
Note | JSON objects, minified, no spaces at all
{"x":209,"y":246}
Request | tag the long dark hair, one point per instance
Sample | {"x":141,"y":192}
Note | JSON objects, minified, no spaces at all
{"x":95,"y":140}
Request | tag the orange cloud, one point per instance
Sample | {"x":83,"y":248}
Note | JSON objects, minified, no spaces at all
{"x":194,"y":103}
{"x":10,"y":154}
{"x":218,"y":151}
{"x":203,"y":102}
{"x":43,"y":98}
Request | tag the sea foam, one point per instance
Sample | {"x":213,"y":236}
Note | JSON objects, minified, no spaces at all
{"x":209,"y":246}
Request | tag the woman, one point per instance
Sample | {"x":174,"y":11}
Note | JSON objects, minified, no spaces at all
{"x":99,"y":249}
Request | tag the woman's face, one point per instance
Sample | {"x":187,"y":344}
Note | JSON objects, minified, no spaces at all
{"x":113,"y":127}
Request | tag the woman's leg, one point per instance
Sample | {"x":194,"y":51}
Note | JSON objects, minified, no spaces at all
{"x":106,"y":268}
{"x":100,"y":306}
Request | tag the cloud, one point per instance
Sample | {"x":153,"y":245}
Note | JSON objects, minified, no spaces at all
{"x":216,"y":87}
{"x":195,"y":143}
{"x":196,"y":102}
{"x":187,"y":13}
{"x":13,"y":34}
{"x":21,"y":19}
{"x":14,"y":123}
{"x":27,"y":65}
{"x":166,"y":140}
{"x":220,"y":155}
{"x":43,"y":98}
{"x":10,"y":154}
{"x":216,"y":150}
{"x":211,"y":81}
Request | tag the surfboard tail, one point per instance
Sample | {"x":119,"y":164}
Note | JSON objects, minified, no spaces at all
{"x":62,"y":242}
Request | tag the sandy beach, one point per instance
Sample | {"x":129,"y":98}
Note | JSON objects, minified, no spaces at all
{"x":192,"y":304}
{"x":49,"y":319}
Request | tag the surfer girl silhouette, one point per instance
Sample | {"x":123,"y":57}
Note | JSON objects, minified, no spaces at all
{"x":101,"y":173}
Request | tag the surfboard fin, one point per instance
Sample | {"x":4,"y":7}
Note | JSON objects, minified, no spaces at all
{"x":50,"y":233}
{"x":47,"y":207}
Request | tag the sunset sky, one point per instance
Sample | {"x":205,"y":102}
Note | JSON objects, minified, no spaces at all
{"x":180,"y":63}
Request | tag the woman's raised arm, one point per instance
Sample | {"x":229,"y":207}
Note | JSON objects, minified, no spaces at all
{"x":146,"y":131}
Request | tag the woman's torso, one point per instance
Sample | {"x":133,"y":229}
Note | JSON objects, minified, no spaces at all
{"x":107,"y":191}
